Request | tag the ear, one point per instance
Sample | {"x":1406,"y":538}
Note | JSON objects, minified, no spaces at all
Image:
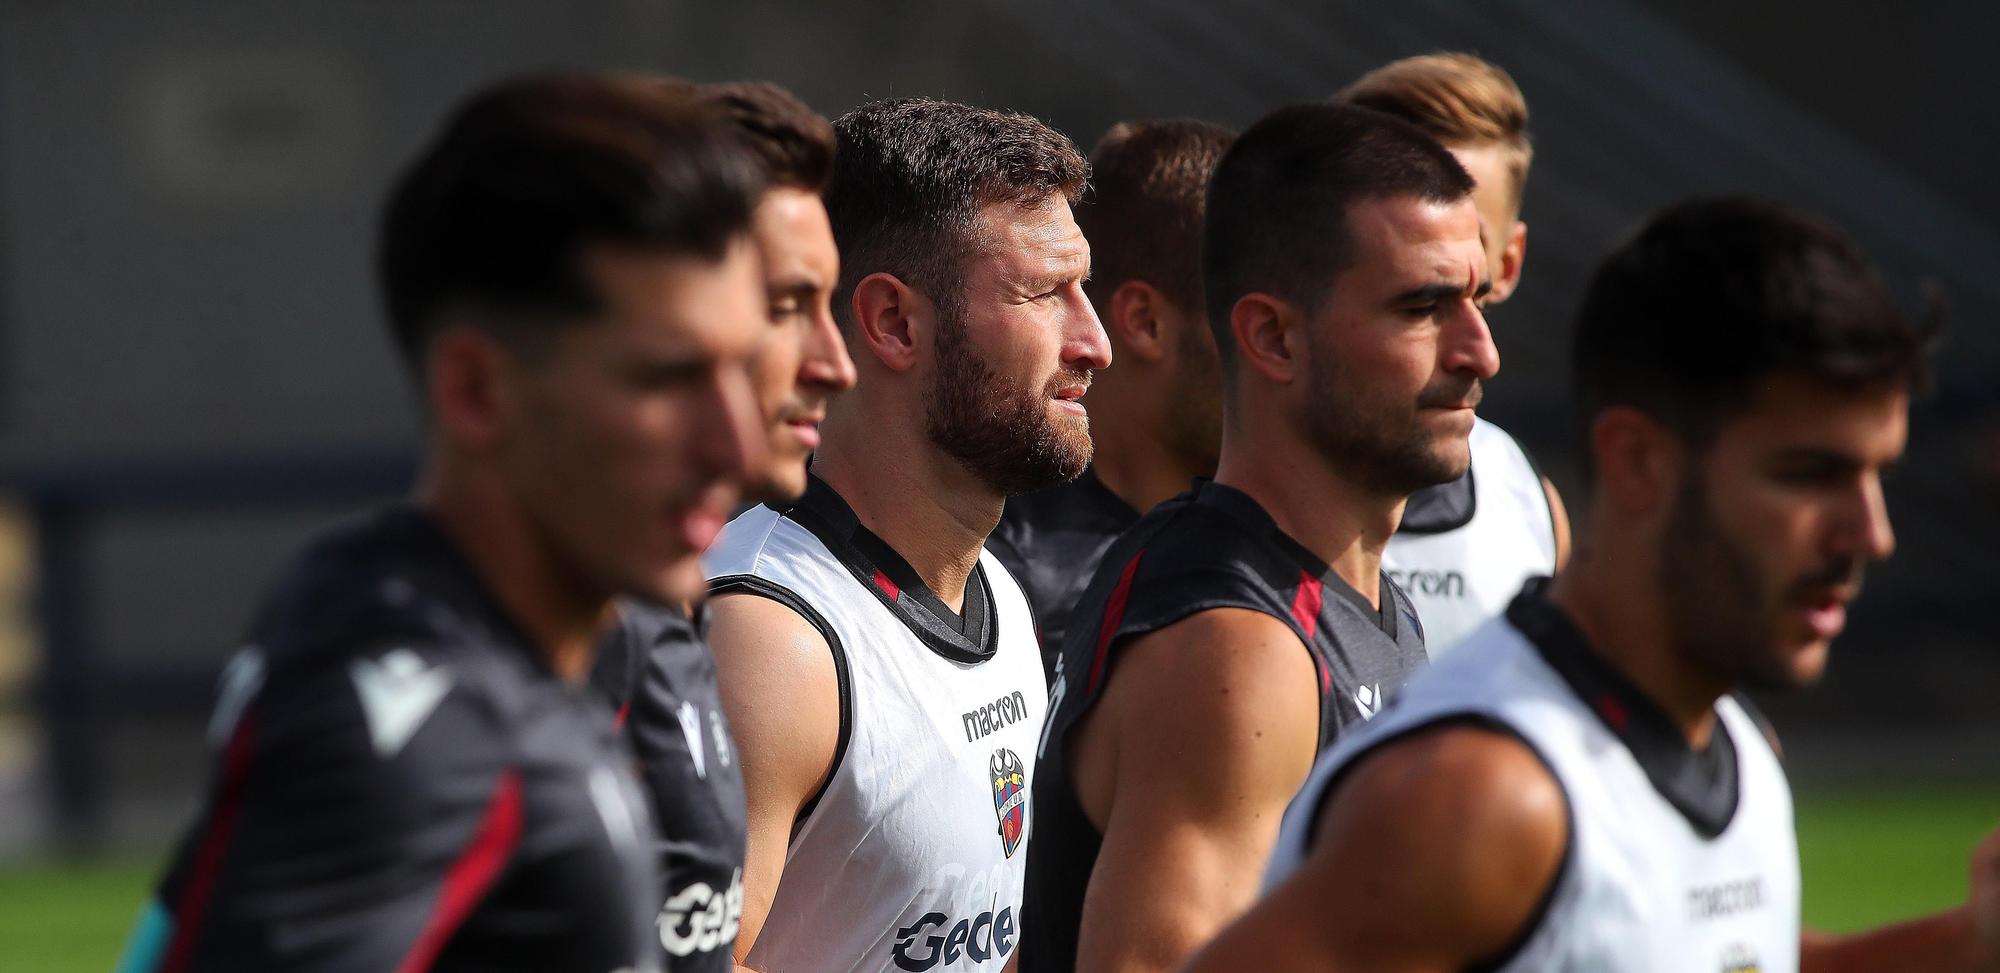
{"x":1136,"y":321}
{"x":891,"y":320}
{"x":1639,"y":462}
{"x":1267,"y":338}
{"x":1511,"y":260}
{"x":470,"y":385}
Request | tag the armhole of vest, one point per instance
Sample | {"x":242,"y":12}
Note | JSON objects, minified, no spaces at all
{"x":750,"y":584}
{"x":1506,"y":954}
{"x":1542,"y":484}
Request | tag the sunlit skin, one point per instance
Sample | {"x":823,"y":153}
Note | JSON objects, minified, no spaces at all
{"x":802,"y":361}
{"x":1026,"y":313}
{"x":633,"y":432}
{"x":1506,"y":238}
{"x":1401,"y":348}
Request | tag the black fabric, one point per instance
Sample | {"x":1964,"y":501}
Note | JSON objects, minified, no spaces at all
{"x":384,"y":726}
{"x":1441,"y":508}
{"x":969,"y":636}
{"x":658,"y":673}
{"x":1212,"y":547}
{"x":1050,"y":541}
{"x":1701,"y":784}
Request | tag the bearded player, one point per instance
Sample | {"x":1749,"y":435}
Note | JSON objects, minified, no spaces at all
{"x":1236,"y":630}
{"x":879,"y":669}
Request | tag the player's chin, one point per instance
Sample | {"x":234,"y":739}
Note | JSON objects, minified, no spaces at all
{"x":1797,"y":664}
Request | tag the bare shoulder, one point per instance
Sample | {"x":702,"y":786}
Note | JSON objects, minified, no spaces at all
{"x":781,"y":686}
{"x":1226,"y":697}
{"x":1463,"y":821}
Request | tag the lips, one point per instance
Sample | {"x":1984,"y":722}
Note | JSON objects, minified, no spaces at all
{"x":1825,"y":612}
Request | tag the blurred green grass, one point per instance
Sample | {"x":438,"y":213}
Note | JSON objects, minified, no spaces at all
{"x":1868,"y":858}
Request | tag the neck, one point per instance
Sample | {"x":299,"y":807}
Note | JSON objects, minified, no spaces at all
{"x":1338,"y":520}
{"x":919,"y":501}
{"x":561,"y":616}
{"x":1616,"y":603}
{"x":1131,"y":457}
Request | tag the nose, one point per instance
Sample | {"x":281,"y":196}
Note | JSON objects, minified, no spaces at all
{"x":1468,"y":343}
{"x":1871,"y":535}
{"x":825,"y":363}
{"x":1085,"y":345}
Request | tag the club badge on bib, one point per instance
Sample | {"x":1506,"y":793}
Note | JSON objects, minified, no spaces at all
{"x":1010,"y":797}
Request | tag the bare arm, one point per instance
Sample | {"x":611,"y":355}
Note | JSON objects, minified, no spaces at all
{"x":1964,"y":939}
{"x":1559,"y":521}
{"x":1205,"y":731}
{"x":782,"y":697}
{"x":1433,"y":855}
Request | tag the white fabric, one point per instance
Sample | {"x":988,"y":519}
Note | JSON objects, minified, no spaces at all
{"x":901,"y":864}
{"x":1460,"y":578}
{"x":1641,"y":890}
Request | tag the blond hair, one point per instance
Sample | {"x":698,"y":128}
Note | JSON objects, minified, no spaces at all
{"x":1459,"y":99}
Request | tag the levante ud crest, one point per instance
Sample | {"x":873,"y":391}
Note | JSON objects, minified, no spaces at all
{"x":1010,"y":797}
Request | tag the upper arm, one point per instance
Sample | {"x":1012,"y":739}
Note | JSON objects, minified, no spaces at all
{"x":343,"y":798}
{"x":1558,"y":521}
{"x":1433,"y":854}
{"x":1205,"y":730}
{"x":781,"y":692}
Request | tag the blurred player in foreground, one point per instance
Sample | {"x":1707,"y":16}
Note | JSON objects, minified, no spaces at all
{"x":1465,"y":547}
{"x":1156,"y":416}
{"x":656,"y":668}
{"x":880,"y":670}
{"x":1237,"y":629}
{"x":407,"y":777}
{"x":1577,"y":789}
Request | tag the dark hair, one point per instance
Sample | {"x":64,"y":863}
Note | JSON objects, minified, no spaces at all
{"x":1713,"y":295}
{"x":1277,"y":208}
{"x":794,"y":142}
{"x":528,"y":174}
{"x":911,"y":176}
{"x":1142,"y":213}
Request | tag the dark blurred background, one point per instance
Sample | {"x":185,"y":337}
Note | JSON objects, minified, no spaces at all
{"x":193,"y":376}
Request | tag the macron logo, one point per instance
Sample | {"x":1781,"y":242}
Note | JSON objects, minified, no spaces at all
{"x":397,"y":692}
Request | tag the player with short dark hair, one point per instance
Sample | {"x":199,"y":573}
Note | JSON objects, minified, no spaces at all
{"x":1157,"y":416}
{"x":407,"y":778}
{"x":1465,"y":547}
{"x":879,"y":670}
{"x":1237,"y":629}
{"x":1577,"y":788}
{"x":657,"y":670}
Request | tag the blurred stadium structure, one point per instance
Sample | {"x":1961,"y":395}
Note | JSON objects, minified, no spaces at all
{"x":193,"y":376}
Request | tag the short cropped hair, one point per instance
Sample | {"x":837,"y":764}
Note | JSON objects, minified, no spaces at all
{"x":911,"y":176}
{"x":528,"y":174}
{"x":794,"y":142}
{"x":1712,"y":296}
{"x":1142,"y":213}
{"x":1277,"y":208}
{"x":1458,"y":98}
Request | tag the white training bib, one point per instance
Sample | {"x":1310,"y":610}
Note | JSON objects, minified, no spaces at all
{"x":1462,"y":576}
{"x":1642,"y":889}
{"x":914,"y":855}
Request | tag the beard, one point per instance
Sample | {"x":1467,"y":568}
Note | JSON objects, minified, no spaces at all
{"x":1717,"y":614}
{"x":1001,"y":430}
{"x":1385,"y":446}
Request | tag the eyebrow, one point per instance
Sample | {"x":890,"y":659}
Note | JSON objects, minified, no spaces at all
{"x":1430,"y":293}
{"x":791,"y":287}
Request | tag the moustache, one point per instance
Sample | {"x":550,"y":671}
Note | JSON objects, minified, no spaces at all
{"x":1843,"y":573}
{"x":1452,"y":394}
